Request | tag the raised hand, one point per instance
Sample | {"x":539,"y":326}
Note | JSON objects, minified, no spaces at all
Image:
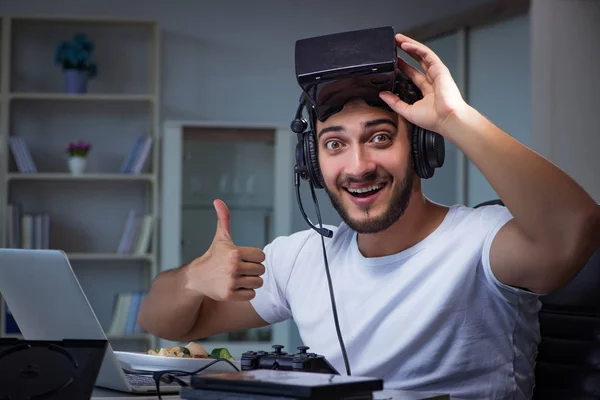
{"x":441,"y":96}
{"x":226,"y":271}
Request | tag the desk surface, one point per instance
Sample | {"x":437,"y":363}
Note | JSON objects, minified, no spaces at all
{"x":106,"y":394}
{"x":101,"y":394}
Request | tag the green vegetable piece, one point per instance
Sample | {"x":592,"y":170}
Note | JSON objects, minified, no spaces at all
{"x":221,"y":352}
{"x":185,"y":350}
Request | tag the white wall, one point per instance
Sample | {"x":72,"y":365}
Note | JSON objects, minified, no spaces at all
{"x":565,"y":87}
{"x":233,"y":60}
{"x":499,"y":81}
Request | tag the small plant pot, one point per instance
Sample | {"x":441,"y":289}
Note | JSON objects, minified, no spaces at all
{"x":75,"y":81}
{"x":77,"y":165}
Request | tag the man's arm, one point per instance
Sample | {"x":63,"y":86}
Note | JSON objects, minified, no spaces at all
{"x":209,"y":295}
{"x":175,"y":313}
{"x":556,"y":225}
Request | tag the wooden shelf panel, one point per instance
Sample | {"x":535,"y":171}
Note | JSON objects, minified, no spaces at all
{"x":82,"y":19}
{"x":81,"y":97}
{"x":51,"y":176}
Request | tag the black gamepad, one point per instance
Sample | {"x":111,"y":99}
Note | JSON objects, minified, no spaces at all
{"x":301,"y":361}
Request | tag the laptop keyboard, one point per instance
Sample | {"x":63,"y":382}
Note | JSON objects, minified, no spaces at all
{"x":145,"y":380}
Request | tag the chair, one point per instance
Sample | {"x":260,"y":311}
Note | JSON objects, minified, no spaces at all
{"x":568,"y":361}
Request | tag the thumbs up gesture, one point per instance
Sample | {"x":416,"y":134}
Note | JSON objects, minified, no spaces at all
{"x":226,"y":271}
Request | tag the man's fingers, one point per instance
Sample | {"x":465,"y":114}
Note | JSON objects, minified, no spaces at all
{"x":248,"y":282}
{"x":415,"y":75}
{"x":400,"y":38}
{"x":251,"y":254}
{"x":419,"y":60}
{"x":423,"y":55}
{"x":396,"y":104}
{"x":251,"y":268}
{"x":243,"y":295}
{"x":223,"y":221}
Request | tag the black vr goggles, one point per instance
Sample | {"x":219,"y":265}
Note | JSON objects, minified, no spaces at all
{"x":332,"y":69}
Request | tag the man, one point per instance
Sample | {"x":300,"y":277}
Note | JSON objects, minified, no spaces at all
{"x":429,"y":297}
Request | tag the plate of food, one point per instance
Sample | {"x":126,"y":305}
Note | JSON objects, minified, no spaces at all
{"x":188,"y":358}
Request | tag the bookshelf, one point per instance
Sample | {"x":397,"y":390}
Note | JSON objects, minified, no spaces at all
{"x":87,"y":212}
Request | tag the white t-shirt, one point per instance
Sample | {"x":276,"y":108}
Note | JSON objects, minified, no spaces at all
{"x":432,"y":317}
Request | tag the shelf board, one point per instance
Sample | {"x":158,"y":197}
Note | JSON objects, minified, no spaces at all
{"x":58,"y":176}
{"x":230,"y":205}
{"x":81,"y":97}
{"x":108,"y":257}
{"x":81,"y":19}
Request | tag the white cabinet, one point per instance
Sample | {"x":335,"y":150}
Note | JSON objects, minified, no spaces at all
{"x":250,"y":167}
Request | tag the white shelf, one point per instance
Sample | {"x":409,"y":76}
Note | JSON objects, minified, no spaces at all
{"x":52,"y":176}
{"x":82,"y":97}
{"x":82,"y":19}
{"x":108,"y":257}
{"x":87,"y":210}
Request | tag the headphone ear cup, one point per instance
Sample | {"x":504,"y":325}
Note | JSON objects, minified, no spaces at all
{"x":301,"y":160}
{"x":435,"y":149}
{"x":299,"y":125}
{"x":312,"y":163}
{"x":428,"y":151}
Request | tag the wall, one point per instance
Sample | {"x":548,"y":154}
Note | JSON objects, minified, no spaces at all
{"x":232,"y":60}
{"x":565,"y":64}
{"x":499,"y":81}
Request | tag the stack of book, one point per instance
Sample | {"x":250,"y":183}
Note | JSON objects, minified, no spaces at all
{"x":125,"y":311}
{"x":27,"y":230}
{"x":21,"y":155}
{"x":136,"y":158}
{"x":137,"y":232}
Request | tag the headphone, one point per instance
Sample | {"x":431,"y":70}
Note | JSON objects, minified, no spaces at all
{"x":428,"y":149}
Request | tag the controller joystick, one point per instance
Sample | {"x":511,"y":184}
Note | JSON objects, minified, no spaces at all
{"x":278,"y":359}
{"x":302,"y":349}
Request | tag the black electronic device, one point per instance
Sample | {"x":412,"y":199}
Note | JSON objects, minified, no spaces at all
{"x":302,"y":361}
{"x":49,"y":369}
{"x":277,"y":384}
{"x":331,"y":69}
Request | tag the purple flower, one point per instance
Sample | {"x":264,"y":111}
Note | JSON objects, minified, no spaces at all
{"x":78,"y":148}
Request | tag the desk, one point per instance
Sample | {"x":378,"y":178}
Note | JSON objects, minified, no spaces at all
{"x":106,"y":394}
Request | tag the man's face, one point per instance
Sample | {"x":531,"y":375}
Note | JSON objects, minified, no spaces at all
{"x":365,"y":160}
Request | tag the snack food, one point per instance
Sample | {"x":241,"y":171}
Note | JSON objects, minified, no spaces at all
{"x":191,"y":350}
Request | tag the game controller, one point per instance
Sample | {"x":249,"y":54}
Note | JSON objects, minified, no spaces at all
{"x":301,"y":361}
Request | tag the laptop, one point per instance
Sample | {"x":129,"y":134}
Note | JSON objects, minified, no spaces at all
{"x":48,"y":303}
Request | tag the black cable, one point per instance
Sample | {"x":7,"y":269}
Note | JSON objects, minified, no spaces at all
{"x":172,"y":374}
{"x":331,"y":295}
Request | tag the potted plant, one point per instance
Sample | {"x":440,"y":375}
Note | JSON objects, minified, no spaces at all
{"x":75,"y":57}
{"x":78,"y":152}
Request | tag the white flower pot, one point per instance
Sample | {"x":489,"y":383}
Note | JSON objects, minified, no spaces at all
{"x":77,"y":165}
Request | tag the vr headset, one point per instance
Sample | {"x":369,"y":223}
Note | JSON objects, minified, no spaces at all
{"x":332,"y":69}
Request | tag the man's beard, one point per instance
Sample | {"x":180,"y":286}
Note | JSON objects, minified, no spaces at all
{"x":395,"y":210}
